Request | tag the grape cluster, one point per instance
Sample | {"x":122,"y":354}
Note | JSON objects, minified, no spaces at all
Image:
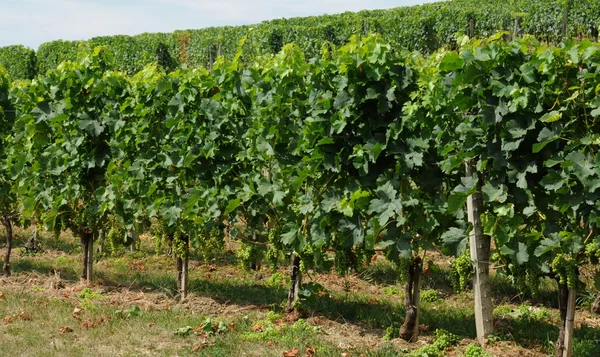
{"x":592,"y":251}
{"x":212,"y":245}
{"x":58,"y":227}
{"x":565,"y":266}
{"x":307,"y":258}
{"x":180,"y":245}
{"x":363,"y":255}
{"x":343,"y":261}
{"x":159,"y":235}
{"x":461,"y":271}
{"x":532,"y":281}
{"x":248,"y":255}
{"x":116,"y":233}
{"x":403,"y":265}
{"x":274,"y":251}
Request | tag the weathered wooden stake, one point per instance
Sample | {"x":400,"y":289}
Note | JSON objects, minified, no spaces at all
{"x":9,"y":241}
{"x":480,"y":254}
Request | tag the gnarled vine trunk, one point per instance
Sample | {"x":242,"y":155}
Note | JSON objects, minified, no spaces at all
{"x":596,"y":305}
{"x":87,"y":247}
{"x":295,"y":283}
{"x":9,"y":241}
{"x":566,"y":306}
{"x":410,"y":328}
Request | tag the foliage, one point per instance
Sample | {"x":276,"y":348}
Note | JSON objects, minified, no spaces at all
{"x":59,"y":152}
{"x":7,"y":196}
{"x":89,"y":294}
{"x":430,"y":296}
{"x":19,"y":61}
{"x":531,"y":131}
{"x":425,"y":28}
{"x":360,"y":150}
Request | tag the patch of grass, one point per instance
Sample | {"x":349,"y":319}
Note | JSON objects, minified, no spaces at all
{"x":442,"y":341}
{"x":381,"y":272}
{"x":473,"y":350}
{"x":430,"y":296}
{"x":150,"y":331}
{"x":88,"y":293}
{"x":392,"y":290}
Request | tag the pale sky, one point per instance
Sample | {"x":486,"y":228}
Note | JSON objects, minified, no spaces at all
{"x":32,"y":22}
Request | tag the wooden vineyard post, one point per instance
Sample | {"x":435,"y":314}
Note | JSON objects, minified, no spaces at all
{"x":480,"y":254}
{"x":90,"y":259}
{"x":569,"y":323}
{"x":516,"y":28}
{"x":84,"y":247}
{"x":184,"y":273}
{"x":565,"y":20}
{"x":9,"y":241}
{"x":182,"y":269}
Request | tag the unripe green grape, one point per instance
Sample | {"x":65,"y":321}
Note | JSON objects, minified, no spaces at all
{"x":567,"y":270}
{"x":179,"y":245}
{"x":273,"y":256}
{"x":302,"y":266}
{"x":244,"y":256}
{"x":403,"y":266}
{"x":461,"y":271}
{"x":212,"y":244}
{"x":532,"y":280}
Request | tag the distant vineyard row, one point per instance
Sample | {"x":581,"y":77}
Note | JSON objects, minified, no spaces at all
{"x":423,"y":28}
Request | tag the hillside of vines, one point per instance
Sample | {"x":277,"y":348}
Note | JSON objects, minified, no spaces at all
{"x":424,"y":28}
{"x":486,"y":154}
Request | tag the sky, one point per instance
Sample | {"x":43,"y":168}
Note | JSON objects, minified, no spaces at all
{"x":33,"y":22}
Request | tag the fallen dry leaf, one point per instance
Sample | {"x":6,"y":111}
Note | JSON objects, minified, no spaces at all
{"x":257,"y":328}
{"x":1,"y":294}
{"x":65,"y":330}
{"x":8,"y":319}
{"x":23,"y":316}
{"x":310,"y":352}
{"x":291,"y":353}
{"x":270,"y":343}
